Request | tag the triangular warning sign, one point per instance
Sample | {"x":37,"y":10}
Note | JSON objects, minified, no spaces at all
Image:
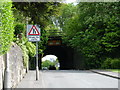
{"x":34,"y":31}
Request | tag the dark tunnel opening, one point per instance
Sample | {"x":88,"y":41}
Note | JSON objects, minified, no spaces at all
{"x":64,"y":54}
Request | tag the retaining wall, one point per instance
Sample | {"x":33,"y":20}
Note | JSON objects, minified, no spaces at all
{"x":17,"y":70}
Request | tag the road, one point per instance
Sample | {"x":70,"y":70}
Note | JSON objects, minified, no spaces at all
{"x":68,"y":79}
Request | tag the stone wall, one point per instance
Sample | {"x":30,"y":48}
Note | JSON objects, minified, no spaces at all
{"x":17,"y":70}
{"x":2,"y":68}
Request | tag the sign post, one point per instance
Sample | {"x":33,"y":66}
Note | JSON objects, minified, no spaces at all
{"x":33,"y":35}
{"x":37,"y":70}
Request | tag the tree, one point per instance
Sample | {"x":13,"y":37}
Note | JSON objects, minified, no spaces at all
{"x":93,"y":30}
{"x":39,"y":12}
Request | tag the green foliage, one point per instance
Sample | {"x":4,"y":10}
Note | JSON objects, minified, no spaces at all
{"x":107,"y":63}
{"x":25,"y":55}
{"x":66,"y":12}
{"x":25,"y":51}
{"x":31,"y":49}
{"x":19,"y":17}
{"x":92,"y":29}
{"x":47,"y":63}
{"x":52,"y":31}
{"x":115,"y":64}
{"x":19,"y":28}
{"x":38,"y":12}
{"x":110,"y":63}
{"x":28,"y":48}
{"x":6,"y":25}
{"x":42,"y":44}
{"x":114,"y":70}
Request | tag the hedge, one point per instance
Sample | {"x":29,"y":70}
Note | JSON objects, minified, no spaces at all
{"x":6,"y":25}
{"x":110,"y":63}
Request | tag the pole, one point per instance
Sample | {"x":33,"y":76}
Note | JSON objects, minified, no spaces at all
{"x":37,"y":70}
{"x":27,"y":69}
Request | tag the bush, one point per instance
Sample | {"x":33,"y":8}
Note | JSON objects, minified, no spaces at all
{"x":47,"y":64}
{"x":6,"y":25}
{"x":28,"y":48}
{"x":25,"y":55}
{"x":106,"y":64}
{"x":115,"y":63}
{"x":51,"y":65}
{"x":110,"y":63}
{"x":31,"y":49}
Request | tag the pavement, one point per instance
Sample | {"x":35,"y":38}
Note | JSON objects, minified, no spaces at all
{"x":108,"y":73}
{"x":29,"y":81}
{"x":68,"y":79}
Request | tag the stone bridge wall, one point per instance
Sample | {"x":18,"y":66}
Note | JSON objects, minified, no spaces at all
{"x":17,"y":71}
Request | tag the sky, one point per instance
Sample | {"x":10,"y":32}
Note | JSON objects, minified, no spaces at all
{"x":70,"y":1}
{"x":49,"y":57}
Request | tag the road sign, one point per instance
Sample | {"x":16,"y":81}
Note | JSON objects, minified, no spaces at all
{"x":33,"y":33}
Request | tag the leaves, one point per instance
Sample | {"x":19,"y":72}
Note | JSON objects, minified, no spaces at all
{"x":38,"y":12}
{"x":93,"y":29}
{"x":6,"y":26}
{"x":31,"y":48}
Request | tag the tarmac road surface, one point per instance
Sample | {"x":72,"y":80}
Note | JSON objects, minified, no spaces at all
{"x":67,"y":79}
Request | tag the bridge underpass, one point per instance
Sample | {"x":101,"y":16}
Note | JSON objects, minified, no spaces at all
{"x":64,"y":53}
{"x":67,"y":56}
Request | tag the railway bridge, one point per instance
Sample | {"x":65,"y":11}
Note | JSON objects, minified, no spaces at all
{"x":68,"y":57}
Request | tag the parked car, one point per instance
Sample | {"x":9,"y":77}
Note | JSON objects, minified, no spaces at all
{"x":44,"y":68}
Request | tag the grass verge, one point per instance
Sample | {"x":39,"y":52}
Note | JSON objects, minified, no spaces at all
{"x":114,"y":70}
